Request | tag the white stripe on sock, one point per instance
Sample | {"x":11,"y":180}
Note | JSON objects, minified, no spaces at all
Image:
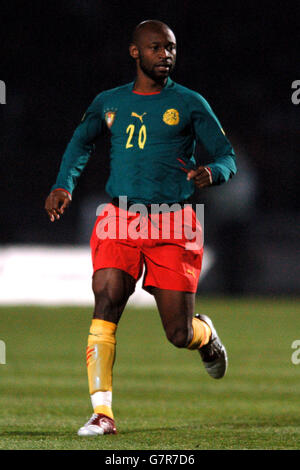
{"x":101,"y":398}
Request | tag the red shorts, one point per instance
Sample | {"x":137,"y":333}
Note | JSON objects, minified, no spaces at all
{"x":169,"y":245}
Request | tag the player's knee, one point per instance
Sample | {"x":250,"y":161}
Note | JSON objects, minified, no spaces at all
{"x":179,"y":337}
{"x":106,"y":305}
{"x":103,"y":301}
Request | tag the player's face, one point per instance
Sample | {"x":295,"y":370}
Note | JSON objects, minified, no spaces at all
{"x":157,"y":53}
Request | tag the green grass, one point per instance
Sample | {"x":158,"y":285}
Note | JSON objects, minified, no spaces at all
{"x":163,"y":398}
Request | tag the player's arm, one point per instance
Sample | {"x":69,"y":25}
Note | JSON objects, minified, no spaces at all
{"x":74,"y":160}
{"x":208,"y":130}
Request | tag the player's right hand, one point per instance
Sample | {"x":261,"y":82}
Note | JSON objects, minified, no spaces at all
{"x":56,"y":203}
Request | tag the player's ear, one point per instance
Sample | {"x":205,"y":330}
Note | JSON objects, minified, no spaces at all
{"x":133,"y":51}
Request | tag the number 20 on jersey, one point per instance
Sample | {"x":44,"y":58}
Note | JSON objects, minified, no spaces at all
{"x":142,"y":137}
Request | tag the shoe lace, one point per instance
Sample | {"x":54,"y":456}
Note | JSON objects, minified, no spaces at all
{"x":92,"y":418}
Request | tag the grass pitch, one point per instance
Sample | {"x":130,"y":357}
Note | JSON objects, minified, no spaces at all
{"x":163,"y":398}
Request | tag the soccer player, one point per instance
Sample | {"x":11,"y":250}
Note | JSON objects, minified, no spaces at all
{"x":154,"y":124}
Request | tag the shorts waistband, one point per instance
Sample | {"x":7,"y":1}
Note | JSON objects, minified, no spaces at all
{"x":151,"y":208}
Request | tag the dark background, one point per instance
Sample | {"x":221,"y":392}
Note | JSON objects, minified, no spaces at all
{"x":241,"y":56}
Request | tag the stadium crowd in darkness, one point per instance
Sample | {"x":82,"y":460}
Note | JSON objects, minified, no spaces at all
{"x":56,"y":59}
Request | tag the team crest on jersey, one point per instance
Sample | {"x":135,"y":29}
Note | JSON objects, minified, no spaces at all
{"x":109,"y":118}
{"x":171,"y":117}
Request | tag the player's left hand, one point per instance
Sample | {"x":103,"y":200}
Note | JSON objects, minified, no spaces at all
{"x":201,"y":176}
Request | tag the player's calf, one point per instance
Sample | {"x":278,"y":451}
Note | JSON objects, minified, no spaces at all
{"x":179,"y":337}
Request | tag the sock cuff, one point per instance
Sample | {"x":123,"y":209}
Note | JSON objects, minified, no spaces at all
{"x":194,"y":344}
{"x":201,"y":334}
{"x":102,"y":331}
{"x":100,"y":326}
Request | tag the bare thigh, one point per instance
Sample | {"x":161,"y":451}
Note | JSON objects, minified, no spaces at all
{"x":112,"y":288}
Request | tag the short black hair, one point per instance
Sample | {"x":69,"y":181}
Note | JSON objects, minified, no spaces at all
{"x":151,"y":24}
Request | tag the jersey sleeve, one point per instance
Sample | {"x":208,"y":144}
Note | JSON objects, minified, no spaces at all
{"x":80,"y":147}
{"x":208,"y":130}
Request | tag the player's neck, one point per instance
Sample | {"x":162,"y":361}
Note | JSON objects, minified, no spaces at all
{"x":147,"y":85}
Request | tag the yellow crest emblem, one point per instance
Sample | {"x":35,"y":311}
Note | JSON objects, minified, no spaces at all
{"x":171,"y":117}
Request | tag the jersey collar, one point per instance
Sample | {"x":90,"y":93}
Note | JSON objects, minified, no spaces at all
{"x":167,"y":85}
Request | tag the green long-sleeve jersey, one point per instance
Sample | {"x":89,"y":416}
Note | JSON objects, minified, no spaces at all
{"x":153,"y":139}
